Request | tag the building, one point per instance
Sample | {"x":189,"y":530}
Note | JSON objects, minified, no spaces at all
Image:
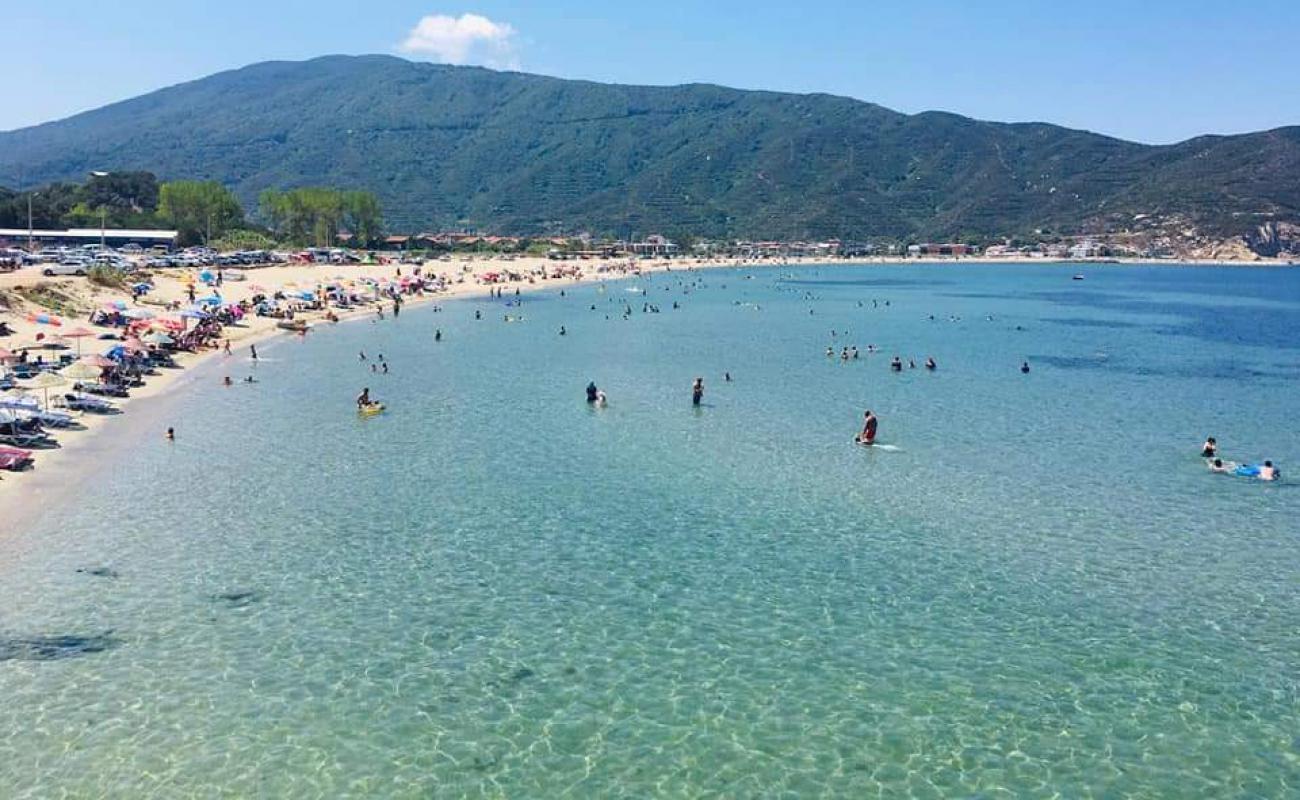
{"x":75,"y":237}
{"x":654,"y":245}
{"x":949,"y":249}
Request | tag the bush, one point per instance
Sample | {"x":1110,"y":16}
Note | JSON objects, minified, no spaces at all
{"x":112,"y":277}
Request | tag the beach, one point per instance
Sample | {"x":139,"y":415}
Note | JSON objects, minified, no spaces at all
{"x":494,"y":589}
{"x":465,"y":278}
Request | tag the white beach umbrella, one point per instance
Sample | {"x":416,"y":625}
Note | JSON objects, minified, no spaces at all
{"x":81,"y":371}
{"x":45,"y":382}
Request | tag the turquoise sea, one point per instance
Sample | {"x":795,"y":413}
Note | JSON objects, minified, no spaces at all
{"x":494,"y":590}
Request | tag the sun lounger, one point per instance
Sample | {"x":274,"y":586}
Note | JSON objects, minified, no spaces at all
{"x":84,"y":402}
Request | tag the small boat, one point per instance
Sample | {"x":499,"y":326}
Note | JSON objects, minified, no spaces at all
{"x":1078,"y":276}
{"x":371,"y":409}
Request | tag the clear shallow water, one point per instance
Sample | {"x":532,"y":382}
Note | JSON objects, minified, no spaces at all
{"x":493,"y":590}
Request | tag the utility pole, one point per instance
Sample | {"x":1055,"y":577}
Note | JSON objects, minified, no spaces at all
{"x":103,"y":222}
{"x":30,"y":247}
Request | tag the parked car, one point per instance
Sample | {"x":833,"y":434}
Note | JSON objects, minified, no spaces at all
{"x":68,"y":266}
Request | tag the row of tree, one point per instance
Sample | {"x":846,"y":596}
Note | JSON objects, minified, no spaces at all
{"x":201,"y":211}
{"x":318,"y":215}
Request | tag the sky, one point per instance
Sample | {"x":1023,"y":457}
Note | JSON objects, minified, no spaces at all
{"x":1156,"y":71}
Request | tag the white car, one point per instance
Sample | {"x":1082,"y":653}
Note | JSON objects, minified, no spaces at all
{"x":66,"y":267}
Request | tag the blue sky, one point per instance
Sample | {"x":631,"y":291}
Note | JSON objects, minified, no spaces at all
{"x":1154,"y":71}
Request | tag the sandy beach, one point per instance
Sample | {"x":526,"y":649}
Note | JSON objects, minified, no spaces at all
{"x":79,"y":450}
{"x":465,"y":277}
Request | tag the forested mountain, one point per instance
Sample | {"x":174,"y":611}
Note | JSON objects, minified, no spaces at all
{"x":447,"y":146}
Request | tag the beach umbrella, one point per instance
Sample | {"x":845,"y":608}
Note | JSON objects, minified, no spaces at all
{"x":211,"y":300}
{"x":142,"y":287}
{"x":78,"y":334}
{"x":6,"y":355}
{"x":44,"y":319}
{"x":45,"y":382}
{"x":138,"y":313}
{"x":80,"y":371}
{"x":115,"y":305}
{"x":97,"y":361}
{"x":158,"y":339}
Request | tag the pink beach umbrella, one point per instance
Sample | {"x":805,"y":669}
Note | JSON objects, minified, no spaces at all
{"x":78,"y":334}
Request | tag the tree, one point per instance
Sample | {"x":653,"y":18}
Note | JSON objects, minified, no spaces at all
{"x":314,"y":215}
{"x":363,"y":217}
{"x":121,"y":191}
{"x":199,"y":210}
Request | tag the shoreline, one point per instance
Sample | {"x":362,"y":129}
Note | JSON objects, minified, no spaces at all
{"x":56,"y":467}
{"x":24,"y":495}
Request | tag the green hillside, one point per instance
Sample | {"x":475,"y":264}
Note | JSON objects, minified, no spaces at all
{"x":513,"y":153}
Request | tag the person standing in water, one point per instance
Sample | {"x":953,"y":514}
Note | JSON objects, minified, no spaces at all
{"x":252,"y":349}
{"x":363,"y":399}
{"x":592,"y":392}
{"x":697,"y":391}
{"x":1210,"y":449}
{"x":1024,"y":367}
{"x":868,"y":434}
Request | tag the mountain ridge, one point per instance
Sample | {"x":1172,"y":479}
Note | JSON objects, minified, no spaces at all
{"x":446,"y":146}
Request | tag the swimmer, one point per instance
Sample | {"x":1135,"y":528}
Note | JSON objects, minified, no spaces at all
{"x":385,"y":368}
{"x":726,"y":377}
{"x":478,"y":314}
{"x":592,"y":392}
{"x":361,"y":356}
{"x":1217,"y":465}
{"x":601,"y":400}
{"x":252,"y":349}
{"x":562,"y":331}
{"x":250,"y":379}
{"x":697,"y":391}
{"x":1210,"y":449}
{"x":171,"y":434}
{"x":437,"y":335}
{"x":929,"y":364}
{"x":868,"y":434}
{"x":897,"y":364}
{"x":830,"y":352}
{"x":1268,"y":472}
{"x":226,"y":381}
{"x":1024,"y":367}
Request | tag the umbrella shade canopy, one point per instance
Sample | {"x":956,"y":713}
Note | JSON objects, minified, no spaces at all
{"x":211,"y":300}
{"x":5,"y":355}
{"x":115,"y":305}
{"x":96,"y":361}
{"x":81,"y":371}
{"x":138,"y":313}
{"x":142,"y":287}
{"x":77,"y":333}
{"x":46,"y":380}
{"x":157,"y":337}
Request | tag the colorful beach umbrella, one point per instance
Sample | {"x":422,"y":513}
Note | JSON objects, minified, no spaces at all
{"x":115,"y":305}
{"x":98,"y":361}
{"x":138,"y":313}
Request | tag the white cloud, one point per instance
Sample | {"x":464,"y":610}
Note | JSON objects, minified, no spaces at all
{"x":467,"y":39}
